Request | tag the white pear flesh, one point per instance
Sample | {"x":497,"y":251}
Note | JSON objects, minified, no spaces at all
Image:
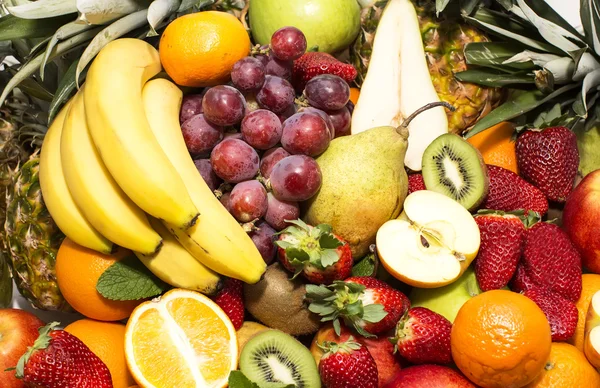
{"x":452,"y":241}
{"x":398,"y":83}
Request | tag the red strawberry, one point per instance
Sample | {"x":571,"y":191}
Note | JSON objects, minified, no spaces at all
{"x":415,"y":183}
{"x":347,"y":364}
{"x":58,"y":359}
{"x":521,"y":281}
{"x":315,"y":252}
{"x":551,"y":261}
{"x":502,"y":239}
{"x":549,"y":159}
{"x":313,"y":64}
{"x":423,"y":336}
{"x":561,"y":313}
{"x":509,"y":192}
{"x":368,"y":305}
{"x":231,"y":300}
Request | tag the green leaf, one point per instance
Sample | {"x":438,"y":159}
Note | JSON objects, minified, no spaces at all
{"x":299,"y":223}
{"x":507,"y":4}
{"x":65,"y":32}
{"x":468,"y":6}
{"x":494,"y":54}
{"x":129,"y":279}
{"x":283,"y":244}
{"x":238,"y":380}
{"x":329,"y":257}
{"x":517,"y":106}
{"x":158,"y":11}
{"x":544,"y":10}
{"x":440,"y":5}
{"x":12,"y":27}
{"x":592,"y":80}
{"x":494,"y":79}
{"x":43,"y":9}
{"x":296,"y":254}
{"x":590,"y":19}
{"x":115,"y":30}
{"x":374,"y":313}
{"x":317,"y":292}
{"x":103,"y":12}
{"x":63,"y":92}
{"x":366,"y":267}
{"x":324,"y":229}
{"x":28,"y":69}
{"x":547,"y":116}
{"x":187,"y":4}
{"x":329,"y":241}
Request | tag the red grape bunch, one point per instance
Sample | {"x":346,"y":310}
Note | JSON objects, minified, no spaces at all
{"x":253,"y":146}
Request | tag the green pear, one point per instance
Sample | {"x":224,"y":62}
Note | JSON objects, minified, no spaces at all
{"x":364,"y":185}
{"x":447,"y":300}
{"x":587,"y":142}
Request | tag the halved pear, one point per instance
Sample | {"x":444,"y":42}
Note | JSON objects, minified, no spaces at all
{"x":431,"y":244}
{"x":591,"y":344}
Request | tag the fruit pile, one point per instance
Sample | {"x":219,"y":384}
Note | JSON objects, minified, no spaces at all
{"x":226,"y":208}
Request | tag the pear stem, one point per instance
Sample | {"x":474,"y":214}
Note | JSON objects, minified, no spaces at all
{"x":422,"y":109}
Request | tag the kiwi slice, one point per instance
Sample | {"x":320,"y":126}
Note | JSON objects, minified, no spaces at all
{"x":272,"y":359}
{"x":453,"y":167}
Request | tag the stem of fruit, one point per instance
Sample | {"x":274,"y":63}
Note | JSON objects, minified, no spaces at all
{"x":431,"y":105}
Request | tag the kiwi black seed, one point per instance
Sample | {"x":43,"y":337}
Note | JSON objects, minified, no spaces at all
{"x":453,"y":167}
{"x":273,"y":358}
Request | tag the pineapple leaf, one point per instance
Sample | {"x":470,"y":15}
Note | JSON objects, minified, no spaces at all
{"x":585,"y":63}
{"x":12,"y":27}
{"x":33,"y":88}
{"x":494,"y":79}
{"x":115,"y":30}
{"x":516,"y":106}
{"x":548,"y":13}
{"x":158,"y":11}
{"x":592,"y":80}
{"x":43,"y":9}
{"x":65,"y":32}
{"x":562,"y":70}
{"x":440,"y":5}
{"x":590,"y":18}
{"x":495,"y":55}
{"x":468,"y":6}
{"x":187,"y":4}
{"x":536,"y":58}
{"x":103,"y":12}
{"x":29,"y":68}
{"x":507,"y":4}
{"x":63,"y":92}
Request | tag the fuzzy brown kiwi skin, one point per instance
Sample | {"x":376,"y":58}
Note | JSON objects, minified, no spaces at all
{"x":278,"y":302}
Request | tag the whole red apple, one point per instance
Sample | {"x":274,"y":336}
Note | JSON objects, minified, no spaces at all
{"x":429,"y":376}
{"x":380,"y":348}
{"x":581,"y":220}
{"x":18,"y":331}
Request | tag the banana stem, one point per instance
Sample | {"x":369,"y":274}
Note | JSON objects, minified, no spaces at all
{"x":431,"y":105}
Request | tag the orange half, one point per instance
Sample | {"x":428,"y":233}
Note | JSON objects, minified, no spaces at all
{"x":182,"y":339}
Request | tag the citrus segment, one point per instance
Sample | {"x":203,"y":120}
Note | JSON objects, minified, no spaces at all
{"x":182,"y":339}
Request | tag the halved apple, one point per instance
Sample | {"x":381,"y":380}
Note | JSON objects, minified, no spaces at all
{"x":431,"y":244}
{"x":591,"y":344}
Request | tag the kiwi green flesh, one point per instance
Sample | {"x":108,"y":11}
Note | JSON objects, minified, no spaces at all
{"x":453,"y":167}
{"x":272,"y":359}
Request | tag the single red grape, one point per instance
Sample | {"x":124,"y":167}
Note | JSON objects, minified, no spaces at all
{"x":270,"y":159}
{"x":234,"y":161}
{"x":261,"y":129}
{"x":280,"y":211}
{"x":205,"y":169}
{"x":288,"y":43}
{"x":191,"y":105}
{"x":264,"y":240}
{"x":248,"y":74}
{"x":295,"y":178}
{"x":305,"y":133}
{"x":325,"y":117}
{"x":327,"y":92}
{"x":276,"y":94}
{"x":248,"y":201}
{"x":341,"y":120}
{"x":279,"y":68}
{"x":200,"y":135}
{"x":224,"y":105}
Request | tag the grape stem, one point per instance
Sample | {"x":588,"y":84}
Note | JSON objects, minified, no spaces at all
{"x":422,"y":109}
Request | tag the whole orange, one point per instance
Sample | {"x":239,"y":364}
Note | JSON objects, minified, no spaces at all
{"x":107,"y":341}
{"x":77,"y":272}
{"x":354,"y":94}
{"x":590,"y":283}
{"x":200,"y":49}
{"x":500,"y":339}
{"x":497,"y":146}
{"x":566,"y":367}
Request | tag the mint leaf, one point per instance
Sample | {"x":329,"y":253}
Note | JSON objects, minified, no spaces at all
{"x":129,"y":279}
{"x":238,"y":380}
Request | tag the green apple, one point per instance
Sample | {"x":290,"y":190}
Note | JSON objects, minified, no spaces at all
{"x":331,"y":25}
{"x":587,"y":142}
{"x":447,"y":300}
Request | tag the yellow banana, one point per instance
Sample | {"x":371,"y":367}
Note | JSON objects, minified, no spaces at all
{"x":94,"y":190}
{"x":174,"y":265}
{"x":57,"y":197}
{"x":217,"y":240}
{"x":115,"y":115}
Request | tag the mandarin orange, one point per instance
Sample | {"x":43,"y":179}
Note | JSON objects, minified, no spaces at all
{"x":497,"y":146}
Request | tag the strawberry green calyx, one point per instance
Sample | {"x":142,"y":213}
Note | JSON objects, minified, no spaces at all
{"x":343,"y":300}
{"x":330,"y":347}
{"x":528,"y":217}
{"x":42,"y":342}
{"x":304,"y":244}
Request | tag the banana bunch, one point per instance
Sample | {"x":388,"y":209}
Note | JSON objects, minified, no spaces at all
{"x":114,"y":169}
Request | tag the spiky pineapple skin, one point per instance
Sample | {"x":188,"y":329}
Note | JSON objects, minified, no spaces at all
{"x":444,"y":42}
{"x":32,"y":239}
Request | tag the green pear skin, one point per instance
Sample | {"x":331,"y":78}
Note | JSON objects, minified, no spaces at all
{"x":364,"y":185}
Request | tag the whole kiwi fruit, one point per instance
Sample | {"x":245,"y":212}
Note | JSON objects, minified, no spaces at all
{"x":278,"y":302}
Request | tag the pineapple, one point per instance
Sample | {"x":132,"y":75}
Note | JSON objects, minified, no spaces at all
{"x":444,"y":41}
